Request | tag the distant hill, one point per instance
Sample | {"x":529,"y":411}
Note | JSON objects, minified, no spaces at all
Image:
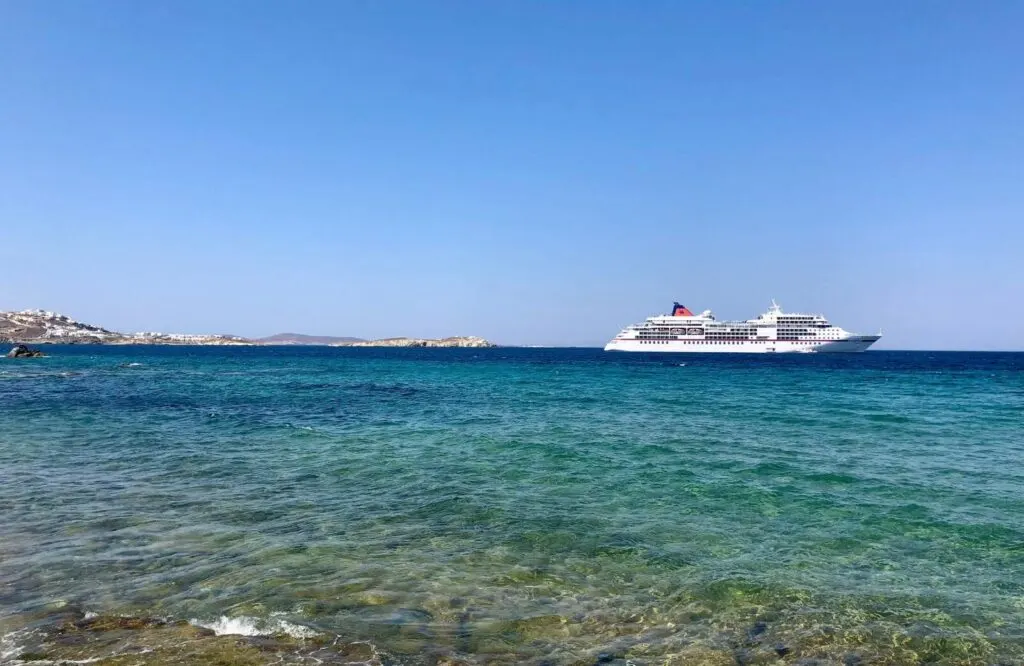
{"x":300,"y":339}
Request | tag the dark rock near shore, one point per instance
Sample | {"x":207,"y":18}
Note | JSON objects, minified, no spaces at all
{"x":115,"y":622}
{"x":756,"y":632}
{"x":24,"y":351}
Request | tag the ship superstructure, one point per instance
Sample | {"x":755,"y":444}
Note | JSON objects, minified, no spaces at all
{"x":772,"y":332}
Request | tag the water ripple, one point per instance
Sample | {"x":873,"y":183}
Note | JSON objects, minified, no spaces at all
{"x":512,"y":506}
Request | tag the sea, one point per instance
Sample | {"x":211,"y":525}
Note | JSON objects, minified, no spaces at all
{"x":317,"y":505}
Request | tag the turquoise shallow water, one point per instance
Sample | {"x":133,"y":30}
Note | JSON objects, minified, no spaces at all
{"x":540,"y":506}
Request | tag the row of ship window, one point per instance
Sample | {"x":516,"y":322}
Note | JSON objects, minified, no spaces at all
{"x":734,"y":332}
{"x":720,"y":342}
{"x":710,"y":337}
{"x":698,"y":342}
{"x":716,"y":335}
{"x":782,"y":327}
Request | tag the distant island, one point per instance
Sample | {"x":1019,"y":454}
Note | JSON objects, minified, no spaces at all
{"x":301,"y":339}
{"x":458,"y":341}
{"x":45,"y":327}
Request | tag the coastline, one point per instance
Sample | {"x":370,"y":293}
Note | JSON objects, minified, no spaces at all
{"x":43,"y":327}
{"x":420,"y":343}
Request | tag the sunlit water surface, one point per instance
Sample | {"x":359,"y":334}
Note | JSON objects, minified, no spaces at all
{"x":523,"y":506}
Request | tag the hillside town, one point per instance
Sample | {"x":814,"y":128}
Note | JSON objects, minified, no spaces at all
{"x":46,"y":327}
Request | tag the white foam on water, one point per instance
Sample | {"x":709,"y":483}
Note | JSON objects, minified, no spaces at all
{"x":89,"y":615}
{"x":9,"y":648}
{"x":295,"y":630}
{"x":244,"y":625}
{"x":235,"y":626}
{"x":12,"y":646}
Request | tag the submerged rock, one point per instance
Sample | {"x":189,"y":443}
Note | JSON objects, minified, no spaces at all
{"x":756,"y":632}
{"x":113,"y":640}
{"x":114,"y":622}
{"x":24,"y":351}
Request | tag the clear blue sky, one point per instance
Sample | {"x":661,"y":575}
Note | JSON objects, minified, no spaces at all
{"x":533,"y":172}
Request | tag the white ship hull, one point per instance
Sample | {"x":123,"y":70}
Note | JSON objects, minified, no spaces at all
{"x":774,"y":332}
{"x":853,"y":344}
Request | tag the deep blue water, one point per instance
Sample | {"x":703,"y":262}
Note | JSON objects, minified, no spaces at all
{"x":526,"y":505}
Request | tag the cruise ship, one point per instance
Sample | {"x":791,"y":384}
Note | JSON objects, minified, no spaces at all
{"x":774,"y":331}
